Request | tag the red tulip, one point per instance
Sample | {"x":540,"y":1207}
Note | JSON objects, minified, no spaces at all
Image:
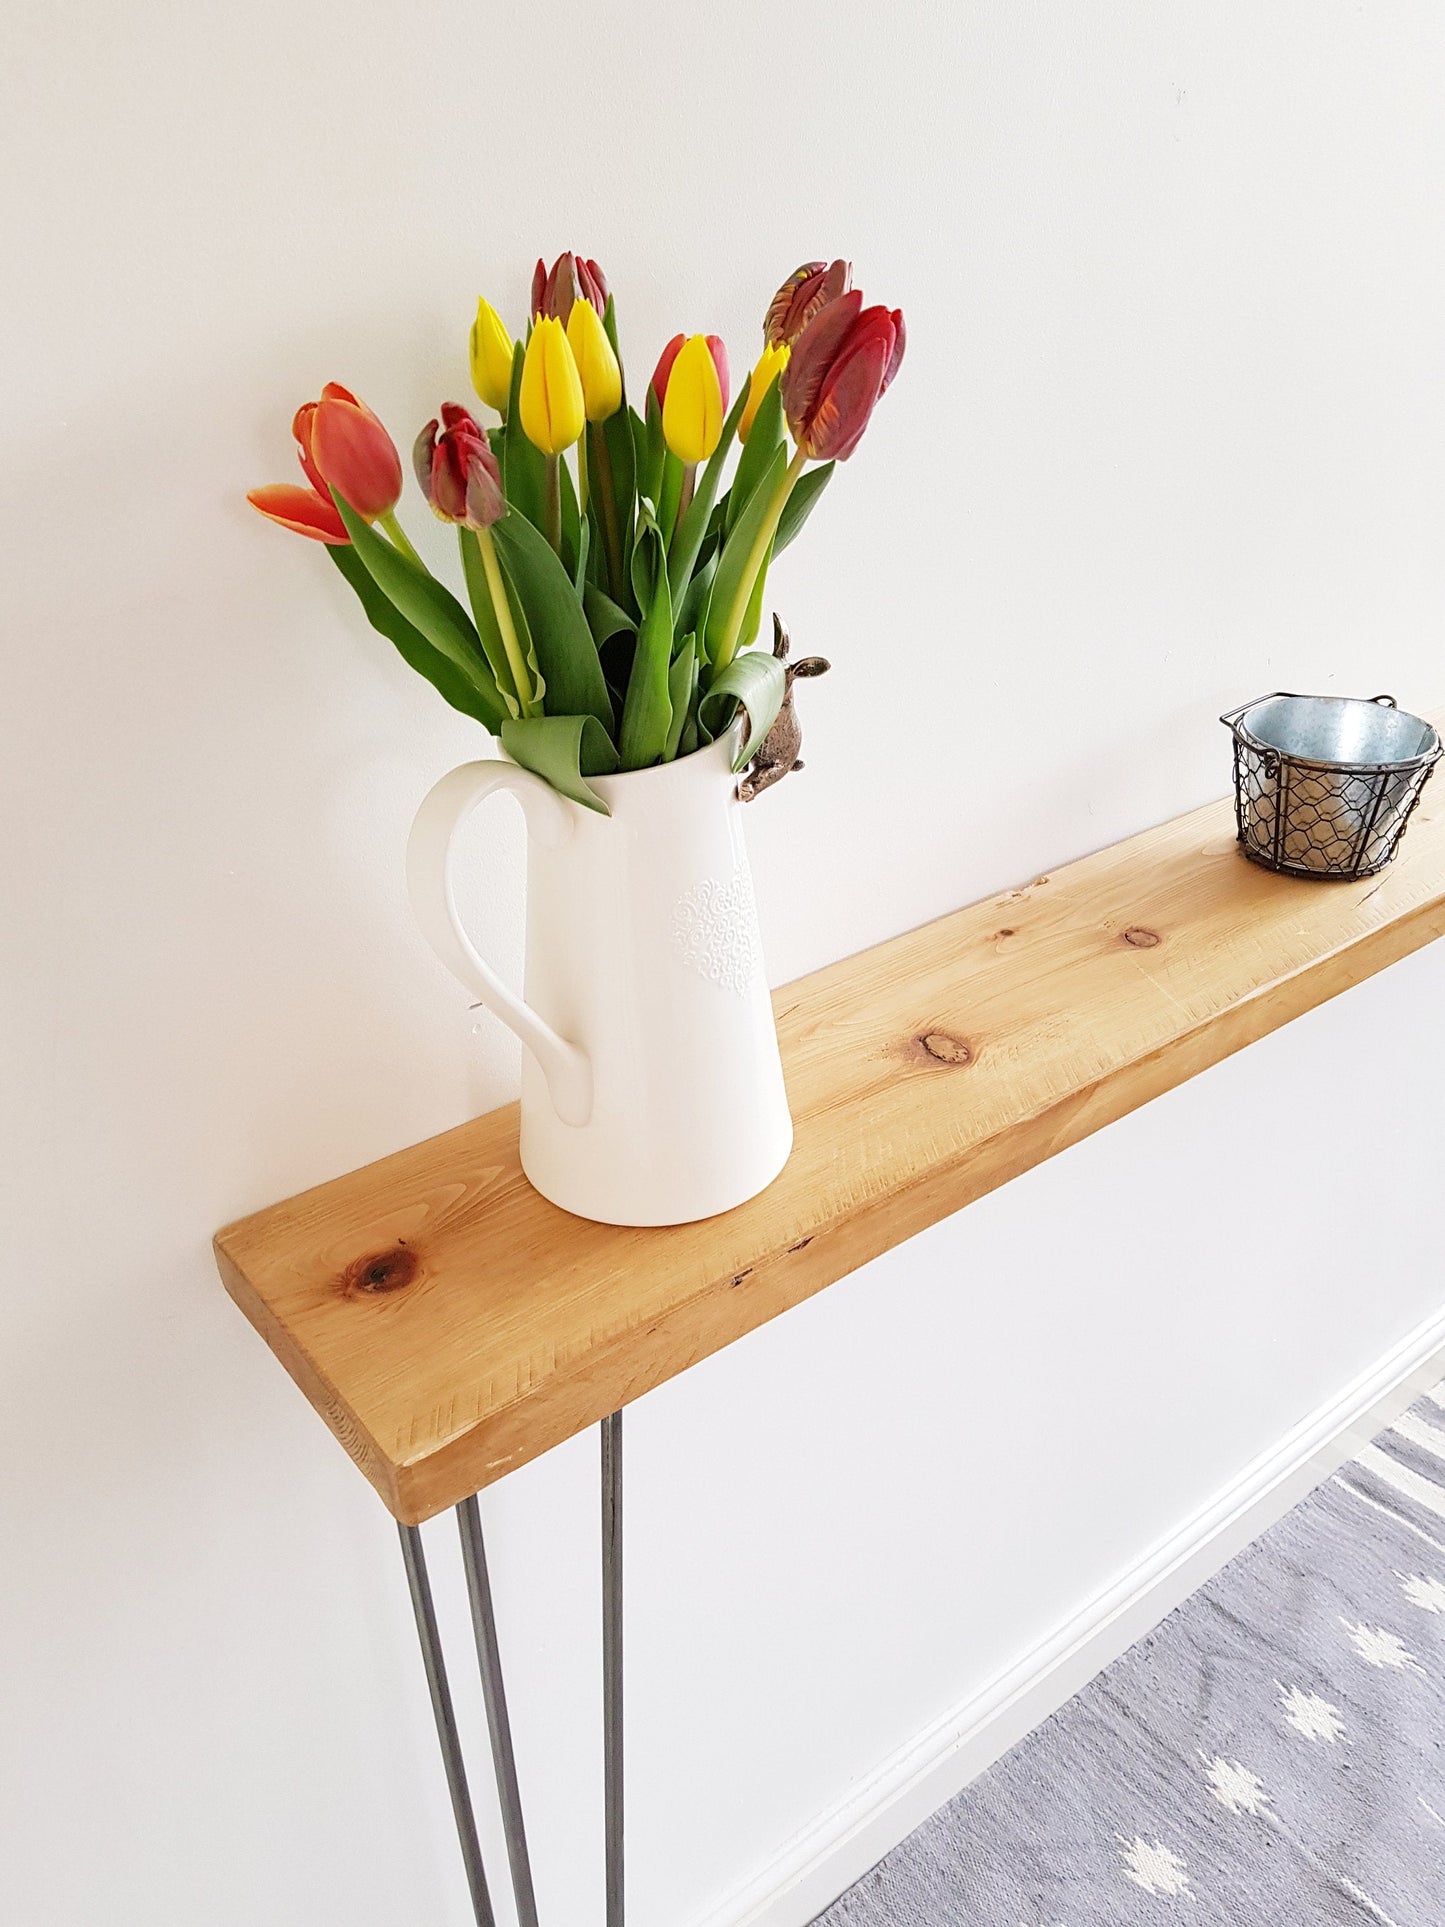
{"x":458,"y":472}
{"x":555,"y":289}
{"x":309,"y":511}
{"x":353,"y":453}
{"x":663,"y":371}
{"x":806,"y":292}
{"x":664,"y":367}
{"x":718,"y":350}
{"x":841,"y":363}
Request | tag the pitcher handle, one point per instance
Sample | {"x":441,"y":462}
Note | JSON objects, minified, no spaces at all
{"x":430,"y":883}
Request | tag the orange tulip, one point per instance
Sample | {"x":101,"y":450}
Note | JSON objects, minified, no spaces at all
{"x":307,"y":511}
{"x":302,"y":510}
{"x":354,"y":453}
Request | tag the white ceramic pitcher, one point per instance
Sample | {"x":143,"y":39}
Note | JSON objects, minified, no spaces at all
{"x":652,"y":1092}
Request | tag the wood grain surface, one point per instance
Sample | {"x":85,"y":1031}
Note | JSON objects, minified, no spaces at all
{"x":449,"y":1325}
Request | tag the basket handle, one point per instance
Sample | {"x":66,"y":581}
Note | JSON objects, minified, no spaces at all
{"x":1231,"y":716}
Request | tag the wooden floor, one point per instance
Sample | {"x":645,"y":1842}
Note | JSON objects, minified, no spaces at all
{"x":449,"y":1324}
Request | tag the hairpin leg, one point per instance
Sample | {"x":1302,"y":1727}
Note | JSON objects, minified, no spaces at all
{"x":484,"y":1625}
{"x":441,"y":1702}
{"x":612,"y":1661}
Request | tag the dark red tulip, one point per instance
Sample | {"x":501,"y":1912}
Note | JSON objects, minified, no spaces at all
{"x":805,"y":293}
{"x":555,"y":289}
{"x":840,"y":365}
{"x":458,"y":472}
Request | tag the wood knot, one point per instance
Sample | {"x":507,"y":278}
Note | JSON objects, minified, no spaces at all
{"x":1140,"y":938}
{"x":942,"y":1047}
{"x":380,"y":1272}
{"x":1005,"y":932}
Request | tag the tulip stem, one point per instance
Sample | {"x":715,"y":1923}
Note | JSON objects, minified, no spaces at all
{"x":757,"y":556}
{"x":501,"y":603}
{"x":607,"y":489}
{"x":582,"y":459}
{"x":685,"y":493}
{"x":398,"y":536}
{"x":554,"y":502}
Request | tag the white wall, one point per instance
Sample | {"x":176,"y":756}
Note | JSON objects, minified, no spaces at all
{"x":1171,"y":431}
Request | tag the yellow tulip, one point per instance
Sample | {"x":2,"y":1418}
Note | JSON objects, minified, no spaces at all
{"x":771,"y":363}
{"x":692,"y":408}
{"x":491,"y":350}
{"x":553,"y":411}
{"x":597,"y":364}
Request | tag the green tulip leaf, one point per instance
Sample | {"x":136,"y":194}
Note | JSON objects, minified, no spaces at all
{"x":564,"y":751}
{"x":571,"y":519}
{"x":799,"y":505}
{"x":758,"y":682}
{"x":524,"y":468}
{"x":763,"y":442}
{"x":671,"y":493}
{"x":650,"y":447}
{"x":692,"y":526}
{"x":422,"y":601}
{"x":753,"y":614}
{"x":560,"y":636}
{"x":693,"y":606}
{"x":468,"y":692}
{"x":612,"y":497}
{"x":681,"y":689}
{"x":604,"y":618}
{"x":733,"y":580}
{"x":645,"y":562}
{"x":647,"y":711}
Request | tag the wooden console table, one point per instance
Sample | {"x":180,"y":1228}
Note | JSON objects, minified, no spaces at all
{"x":448,"y":1324}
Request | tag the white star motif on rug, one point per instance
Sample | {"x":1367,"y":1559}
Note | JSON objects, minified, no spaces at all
{"x":1378,"y":1648}
{"x":1427,"y":1594}
{"x":1235,"y":1787}
{"x":1310,"y":1716}
{"x":1154,"y":1868}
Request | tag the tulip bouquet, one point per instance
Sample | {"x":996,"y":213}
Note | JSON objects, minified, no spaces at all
{"x":609,"y":613}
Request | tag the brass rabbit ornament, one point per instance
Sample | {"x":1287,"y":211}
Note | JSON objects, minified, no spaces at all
{"x":777,"y":754}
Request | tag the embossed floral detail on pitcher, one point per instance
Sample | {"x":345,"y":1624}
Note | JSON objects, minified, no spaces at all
{"x":714,"y":929}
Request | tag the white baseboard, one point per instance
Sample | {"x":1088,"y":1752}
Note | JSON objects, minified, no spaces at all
{"x":873,"y":1815}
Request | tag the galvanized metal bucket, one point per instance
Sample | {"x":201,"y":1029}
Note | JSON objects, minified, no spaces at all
{"x":1324,"y":785}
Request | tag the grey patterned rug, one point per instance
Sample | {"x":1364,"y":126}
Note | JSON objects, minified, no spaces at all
{"x":1273,"y":1755}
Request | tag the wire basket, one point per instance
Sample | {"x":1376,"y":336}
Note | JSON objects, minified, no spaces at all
{"x":1324,"y":785}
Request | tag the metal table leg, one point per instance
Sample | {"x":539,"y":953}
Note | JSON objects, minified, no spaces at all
{"x":612,"y":1661}
{"x":441,"y":1701}
{"x":484,"y":1625}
